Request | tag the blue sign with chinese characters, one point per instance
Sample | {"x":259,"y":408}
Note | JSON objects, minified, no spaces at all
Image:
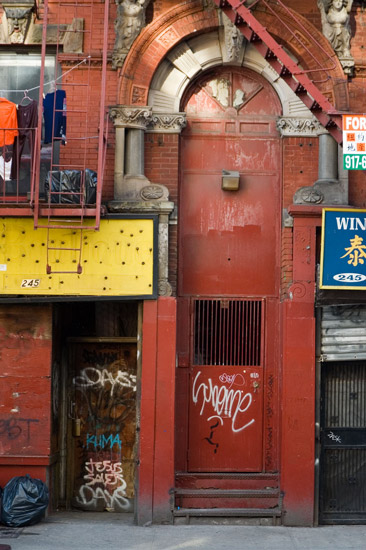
{"x":343,"y":252}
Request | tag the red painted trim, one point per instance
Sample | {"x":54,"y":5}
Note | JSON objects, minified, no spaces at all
{"x":156,"y":446}
{"x":165,"y":397}
{"x":298,"y":379}
{"x":12,"y":460}
{"x":298,"y":413}
{"x":35,"y":471}
{"x":145,"y":470}
{"x":26,"y":211}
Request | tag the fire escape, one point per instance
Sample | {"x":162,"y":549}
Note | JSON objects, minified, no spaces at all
{"x":304,"y":83}
{"x":65,"y":158}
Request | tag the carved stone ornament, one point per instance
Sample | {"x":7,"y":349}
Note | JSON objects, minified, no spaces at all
{"x":124,"y":116}
{"x":309,"y":195}
{"x":348,"y":64}
{"x":154,"y":192}
{"x":167,"y":123}
{"x":19,"y":26}
{"x":128,"y":24}
{"x":233,"y":39}
{"x":17,"y":19}
{"x":293,"y":126}
{"x":301,"y":291}
{"x":336,"y":28}
{"x":164,"y":288}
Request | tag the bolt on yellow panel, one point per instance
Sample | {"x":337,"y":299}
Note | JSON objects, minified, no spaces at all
{"x":117,"y":260}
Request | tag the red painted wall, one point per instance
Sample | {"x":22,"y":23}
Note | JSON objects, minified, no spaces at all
{"x":25,"y":390}
{"x":156,"y":441}
{"x":298,"y":374}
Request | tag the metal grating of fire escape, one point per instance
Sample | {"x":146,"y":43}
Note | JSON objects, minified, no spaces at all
{"x":295,"y":77}
{"x":76,"y":99}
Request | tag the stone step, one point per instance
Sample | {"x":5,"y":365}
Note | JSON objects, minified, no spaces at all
{"x":233,"y":493}
{"x":259,"y":513}
{"x":244,"y":481}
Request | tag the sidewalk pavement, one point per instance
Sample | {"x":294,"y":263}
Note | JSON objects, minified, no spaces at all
{"x":107,"y":531}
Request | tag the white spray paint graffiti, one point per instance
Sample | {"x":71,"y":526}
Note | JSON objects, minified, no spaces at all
{"x":99,"y":480}
{"x":91,"y":376}
{"x":237,"y":379}
{"x":334,"y":437}
{"x":226,"y":402}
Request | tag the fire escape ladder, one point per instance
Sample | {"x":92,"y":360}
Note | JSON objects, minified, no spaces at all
{"x":60,"y":249}
{"x":295,"y":77}
{"x":71,"y":202}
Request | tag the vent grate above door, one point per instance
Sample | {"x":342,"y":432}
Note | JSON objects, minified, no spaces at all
{"x":227,"y":332}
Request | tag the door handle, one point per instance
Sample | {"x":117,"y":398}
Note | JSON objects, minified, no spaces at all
{"x":71,"y":414}
{"x":317,"y":431}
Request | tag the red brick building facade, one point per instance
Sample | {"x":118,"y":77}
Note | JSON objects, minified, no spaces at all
{"x":205,"y":391}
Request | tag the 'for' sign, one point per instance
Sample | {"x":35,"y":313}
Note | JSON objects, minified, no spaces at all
{"x":354,"y":142}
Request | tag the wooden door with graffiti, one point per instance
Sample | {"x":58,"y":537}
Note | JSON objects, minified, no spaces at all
{"x":229,"y":271}
{"x":102,"y":425}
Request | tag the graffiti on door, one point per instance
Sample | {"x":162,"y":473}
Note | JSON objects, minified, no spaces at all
{"x":226,"y":402}
{"x":104,"y":408}
{"x":225,"y":416}
{"x":104,"y":484}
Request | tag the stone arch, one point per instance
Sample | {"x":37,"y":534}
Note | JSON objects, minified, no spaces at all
{"x":154,"y":43}
{"x":198,"y":54}
{"x":191,"y":22}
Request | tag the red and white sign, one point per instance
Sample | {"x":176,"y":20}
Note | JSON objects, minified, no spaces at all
{"x":354,"y":142}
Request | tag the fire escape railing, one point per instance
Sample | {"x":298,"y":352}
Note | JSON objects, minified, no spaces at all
{"x":69,"y":205}
{"x":297,"y":79}
{"x":81,"y":211}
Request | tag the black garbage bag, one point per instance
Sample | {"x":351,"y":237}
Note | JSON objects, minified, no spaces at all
{"x":24,"y":501}
{"x":66,"y":185}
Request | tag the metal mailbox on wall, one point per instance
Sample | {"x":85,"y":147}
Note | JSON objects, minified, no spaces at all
{"x":343,"y":251}
{"x":117,"y":260}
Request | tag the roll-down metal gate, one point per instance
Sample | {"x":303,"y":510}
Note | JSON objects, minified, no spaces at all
{"x":343,"y":416}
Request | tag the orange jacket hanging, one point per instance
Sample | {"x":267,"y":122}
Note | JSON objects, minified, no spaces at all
{"x":8,"y":122}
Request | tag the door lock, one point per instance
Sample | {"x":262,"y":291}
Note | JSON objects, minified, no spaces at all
{"x":76,"y":426}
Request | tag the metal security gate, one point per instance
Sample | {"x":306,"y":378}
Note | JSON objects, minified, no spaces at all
{"x":343,"y":443}
{"x":226,"y":386}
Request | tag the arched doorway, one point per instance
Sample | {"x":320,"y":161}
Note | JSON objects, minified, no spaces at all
{"x":228,"y":287}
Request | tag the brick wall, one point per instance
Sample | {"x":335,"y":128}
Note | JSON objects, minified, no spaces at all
{"x":161,"y":166}
{"x":286,"y":260}
{"x":300,"y":165}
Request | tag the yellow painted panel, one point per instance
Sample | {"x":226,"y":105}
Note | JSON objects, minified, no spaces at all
{"x":117,"y":260}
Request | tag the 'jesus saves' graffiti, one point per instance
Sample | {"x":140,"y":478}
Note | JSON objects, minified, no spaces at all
{"x":104,"y":481}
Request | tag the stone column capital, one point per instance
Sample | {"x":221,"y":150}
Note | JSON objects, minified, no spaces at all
{"x":298,"y":126}
{"x":167,"y":123}
{"x":125,"y":116}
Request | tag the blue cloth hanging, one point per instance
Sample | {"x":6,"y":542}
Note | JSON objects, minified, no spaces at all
{"x":54,"y":113}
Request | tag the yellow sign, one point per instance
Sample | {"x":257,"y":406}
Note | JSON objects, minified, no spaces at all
{"x":117,"y":260}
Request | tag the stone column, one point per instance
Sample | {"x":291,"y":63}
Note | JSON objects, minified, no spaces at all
{"x":328,"y":159}
{"x":129,"y":168}
{"x":164,"y":287}
{"x":331,"y":187}
{"x":134,"y":194}
{"x":135,"y":154}
{"x":119,"y":160}
{"x":154,"y":199}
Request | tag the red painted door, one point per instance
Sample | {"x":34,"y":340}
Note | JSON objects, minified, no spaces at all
{"x":228,"y":265}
